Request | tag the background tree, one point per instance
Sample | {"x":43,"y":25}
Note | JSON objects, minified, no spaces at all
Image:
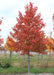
{"x":28,"y":32}
{"x":50,"y":46}
{"x":1,"y":39}
{"x":6,"y":46}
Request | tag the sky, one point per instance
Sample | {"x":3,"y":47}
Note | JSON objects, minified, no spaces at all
{"x":9,"y":11}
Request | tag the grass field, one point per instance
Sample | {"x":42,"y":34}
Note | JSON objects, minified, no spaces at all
{"x":25,"y":70}
{"x":19,"y":63}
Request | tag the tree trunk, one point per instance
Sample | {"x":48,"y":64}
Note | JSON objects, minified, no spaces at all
{"x":1,"y":51}
{"x":10,"y":56}
{"x":28,"y":63}
{"x":41,"y":57}
{"x":38,"y":58}
{"x":4,"y":52}
{"x":50,"y":56}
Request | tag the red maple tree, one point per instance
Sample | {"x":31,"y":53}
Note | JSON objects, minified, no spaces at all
{"x":28,"y":33}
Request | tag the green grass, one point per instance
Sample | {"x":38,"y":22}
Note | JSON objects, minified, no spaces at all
{"x":25,"y":70}
{"x":49,"y":70}
{"x":20,"y":63}
{"x":13,"y":70}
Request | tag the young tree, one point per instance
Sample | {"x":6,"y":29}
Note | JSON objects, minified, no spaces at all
{"x":28,"y":32}
{"x":50,"y":46}
{"x":6,"y":46}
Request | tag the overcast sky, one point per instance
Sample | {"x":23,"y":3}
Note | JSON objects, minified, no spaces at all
{"x":9,"y":10}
